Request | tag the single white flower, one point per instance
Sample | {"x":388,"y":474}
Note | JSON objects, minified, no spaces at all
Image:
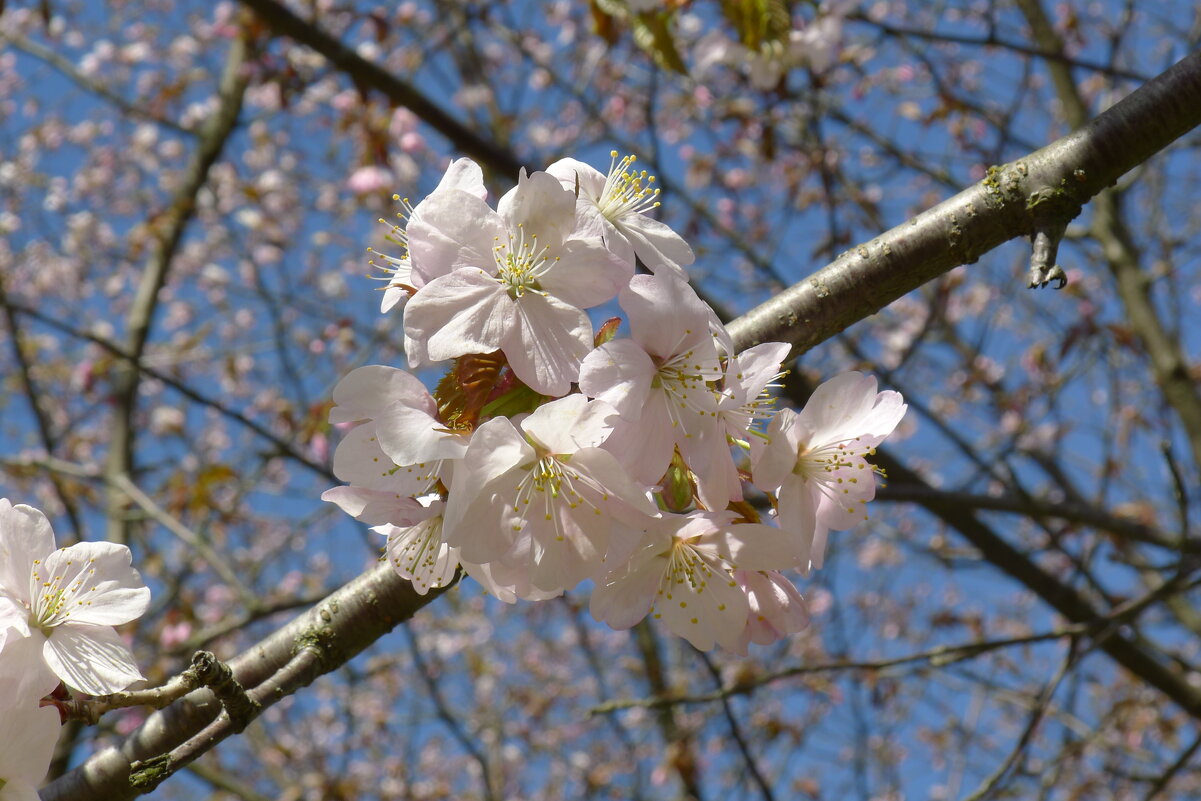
{"x":540,"y":498}
{"x":70,"y":599}
{"x":514,"y":280}
{"x":816,"y":461}
{"x":614,"y":207}
{"x":662,"y":382}
{"x":684,"y":571}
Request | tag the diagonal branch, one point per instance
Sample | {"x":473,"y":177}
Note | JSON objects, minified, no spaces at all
{"x":317,"y":642}
{"x":212,"y":138}
{"x":367,"y":74}
{"x":1013,"y":200}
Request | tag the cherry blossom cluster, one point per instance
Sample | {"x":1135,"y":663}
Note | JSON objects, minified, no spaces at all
{"x":58,"y":608}
{"x":551,"y":453}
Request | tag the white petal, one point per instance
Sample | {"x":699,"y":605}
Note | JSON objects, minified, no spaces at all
{"x":538,"y":206}
{"x":467,"y":311}
{"x":360,"y":462}
{"x":572,"y":173}
{"x":451,"y":230}
{"x":700,"y":601}
{"x":619,"y":373}
{"x":25,"y":536}
{"x":363,"y":392}
{"x":412,"y":434}
{"x":472,"y":522}
{"x":570,"y":423}
{"x":547,"y":342}
{"x":629,"y":593}
{"x":798,"y":517}
{"x":376,"y":508}
{"x":23,"y":666}
{"x":587,"y":274}
{"x":774,"y":463}
{"x":28,"y":734}
{"x":657,"y":245}
{"x":667,"y":318}
{"x":91,"y":659}
{"x":465,"y":175}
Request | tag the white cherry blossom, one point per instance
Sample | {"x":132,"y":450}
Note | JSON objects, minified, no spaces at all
{"x":614,"y":206}
{"x":69,"y":599}
{"x":661,"y":381}
{"x":816,"y":460}
{"x":514,"y":279}
{"x":684,"y":571}
{"x":540,"y":496}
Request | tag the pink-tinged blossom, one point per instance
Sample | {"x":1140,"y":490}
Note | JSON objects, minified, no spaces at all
{"x":684,"y":571}
{"x":816,"y":460}
{"x":744,"y":402}
{"x":69,"y":600}
{"x":506,"y":583}
{"x":417,"y":551}
{"x":463,"y":175}
{"x":614,"y":207}
{"x":541,"y":498}
{"x":28,"y":734}
{"x":370,"y":179}
{"x":513,"y":279}
{"x":776,"y":608}
{"x":661,"y":382}
{"x":398,"y":451}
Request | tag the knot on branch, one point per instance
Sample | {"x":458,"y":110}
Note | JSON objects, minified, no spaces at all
{"x":1051,"y":208}
{"x":1045,"y":248}
{"x":219,"y":677}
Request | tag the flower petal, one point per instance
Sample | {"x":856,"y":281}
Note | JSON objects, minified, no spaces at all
{"x":363,"y":392}
{"x":91,"y":659}
{"x":29,"y":733}
{"x":450,"y":230}
{"x":25,"y":536}
{"x":570,"y":423}
{"x":587,"y":274}
{"x":620,"y":373}
{"x":467,"y":311}
{"x":547,"y":344}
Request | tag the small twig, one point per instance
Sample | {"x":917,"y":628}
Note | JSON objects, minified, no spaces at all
{"x":71,"y":72}
{"x":992,"y":782}
{"x":1165,"y":779}
{"x":1043,"y":269}
{"x":206,"y":671}
{"x":736,"y":733}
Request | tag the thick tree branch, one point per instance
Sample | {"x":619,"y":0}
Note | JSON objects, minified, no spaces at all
{"x":1049,"y":184}
{"x":1168,"y":362}
{"x":315,"y":643}
{"x":367,"y":74}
